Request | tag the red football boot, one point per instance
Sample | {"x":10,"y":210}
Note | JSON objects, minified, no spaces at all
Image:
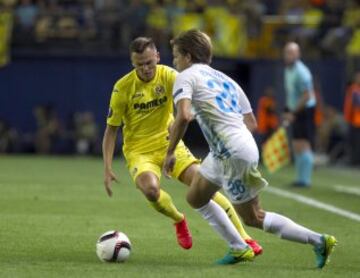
{"x":254,"y":246}
{"x":183,"y":234}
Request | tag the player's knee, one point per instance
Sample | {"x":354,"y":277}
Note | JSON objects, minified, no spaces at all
{"x":193,"y":200}
{"x":151,"y":192}
{"x":149,"y":186}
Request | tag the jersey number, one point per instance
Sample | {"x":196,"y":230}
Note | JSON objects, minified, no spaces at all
{"x":227,"y":99}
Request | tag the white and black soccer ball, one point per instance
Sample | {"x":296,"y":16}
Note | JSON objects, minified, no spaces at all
{"x":113,"y":246}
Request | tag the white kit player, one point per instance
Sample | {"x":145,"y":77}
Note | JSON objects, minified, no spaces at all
{"x":225,"y":117}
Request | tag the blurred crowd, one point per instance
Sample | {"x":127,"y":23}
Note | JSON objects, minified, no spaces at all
{"x":79,"y":134}
{"x":239,"y":28}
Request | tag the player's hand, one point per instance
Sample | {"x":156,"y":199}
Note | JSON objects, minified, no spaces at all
{"x":169,"y":164}
{"x":109,"y":177}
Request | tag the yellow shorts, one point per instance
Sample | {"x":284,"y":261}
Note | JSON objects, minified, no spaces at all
{"x":138,"y":163}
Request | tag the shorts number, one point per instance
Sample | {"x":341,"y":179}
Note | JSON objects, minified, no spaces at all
{"x":236,"y":188}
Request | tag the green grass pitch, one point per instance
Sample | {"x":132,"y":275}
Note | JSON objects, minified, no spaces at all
{"x":53,"y":209}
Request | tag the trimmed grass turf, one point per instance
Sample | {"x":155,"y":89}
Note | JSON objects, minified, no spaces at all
{"x":52,"y":210}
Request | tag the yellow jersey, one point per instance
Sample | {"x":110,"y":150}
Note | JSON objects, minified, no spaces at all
{"x":145,"y":109}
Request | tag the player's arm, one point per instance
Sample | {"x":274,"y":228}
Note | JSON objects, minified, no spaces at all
{"x":182,"y":94}
{"x":182,"y":120}
{"x":305,"y":83}
{"x":302,"y":101}
{"x":108,"y":148}
{"x":289,"y":116}
{"x":114,"y":120}
{"x":177,"y":132}
{"x":246,"y":110}
{"x":108,"y":145}
{"x":306,"y":88}
{"x":250,"y":121}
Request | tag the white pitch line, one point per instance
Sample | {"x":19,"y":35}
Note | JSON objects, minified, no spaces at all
{"x":314,"y":203}
{"x":347,"y":189}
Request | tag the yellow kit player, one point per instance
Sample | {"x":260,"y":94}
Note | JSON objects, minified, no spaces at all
{"x":141,"y":102}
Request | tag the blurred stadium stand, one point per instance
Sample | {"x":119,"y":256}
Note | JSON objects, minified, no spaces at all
{"x":66,"y":54}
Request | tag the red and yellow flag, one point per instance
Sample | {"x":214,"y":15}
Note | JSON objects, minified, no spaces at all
{"x":276,"y":151}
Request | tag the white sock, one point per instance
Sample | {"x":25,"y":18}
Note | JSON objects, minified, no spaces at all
{"x":218,"y":219}
{"x":287,"y":229}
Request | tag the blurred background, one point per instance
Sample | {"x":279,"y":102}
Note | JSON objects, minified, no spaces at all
{"x":60,"y":58}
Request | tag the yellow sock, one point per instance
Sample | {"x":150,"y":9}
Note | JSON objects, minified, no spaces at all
{"x":165,"y":206}
{"x":230,"y":211}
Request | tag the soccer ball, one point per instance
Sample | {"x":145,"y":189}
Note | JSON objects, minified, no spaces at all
{"x":113,"y":246}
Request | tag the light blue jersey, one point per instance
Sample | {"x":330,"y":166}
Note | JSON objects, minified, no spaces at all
{"x":298,"y":79}
{"x":218,"y":104}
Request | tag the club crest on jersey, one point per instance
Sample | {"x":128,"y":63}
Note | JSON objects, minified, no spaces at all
{"x":159,"y":90}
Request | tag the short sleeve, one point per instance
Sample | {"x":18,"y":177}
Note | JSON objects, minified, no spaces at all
{"x":305,"y":81}
{"x":183,"y":87}
{"x":244,"y":102}
{"x":117,"y":107}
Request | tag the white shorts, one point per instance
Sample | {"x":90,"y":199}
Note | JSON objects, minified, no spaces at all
{"x":240,"y":179}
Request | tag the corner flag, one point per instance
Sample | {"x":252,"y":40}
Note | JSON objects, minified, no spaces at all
{"x":276,"y":151}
